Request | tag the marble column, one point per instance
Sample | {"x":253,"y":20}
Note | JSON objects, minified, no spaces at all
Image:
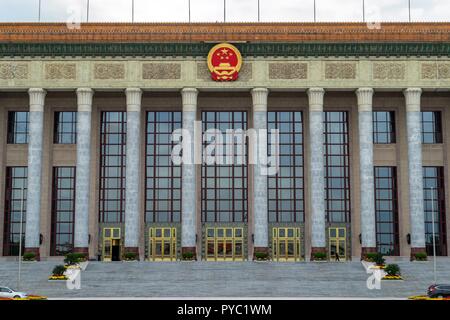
{"x":133,"y":176}
{"x":366,"y":171}
{"x":316,"y":173}
{"x":415,"y":173}
{"x":83,"y":175}
{"x":35,"y":143}
{"x":188,"y":178}
{"x":260,"y":213}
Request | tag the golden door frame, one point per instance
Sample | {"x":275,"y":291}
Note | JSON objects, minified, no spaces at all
{"x":286,"y":244}
{"x":162,"y":238}
{"x":224,"y":244}
{"x":111,"y":237}
{"x":337,"y":240}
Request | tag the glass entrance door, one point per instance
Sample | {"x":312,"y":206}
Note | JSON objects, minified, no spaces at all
{"x":224,"y":244}
{"x":286,"y":244}
{"x":162,"y":244}
{"x":111,"y":244}
{"x":337,"y":244}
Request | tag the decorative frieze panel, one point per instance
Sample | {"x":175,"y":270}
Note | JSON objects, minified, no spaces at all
{"x":288,"y":71}
{"x":13,"y":71}
{"x":245,"y":74}
{"x":60,"y":71}
{"x":433,"y":71}
{"x":104,"y":71}
{"x":389,"y":71}
{"x":161,"y":71}
{"x":339,"y":70}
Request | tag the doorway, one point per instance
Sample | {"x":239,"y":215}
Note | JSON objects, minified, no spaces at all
{"x":286,"y":244}
{"x":224,"y":244}
{"x":337,"y":244}
{"x":111,"y":244}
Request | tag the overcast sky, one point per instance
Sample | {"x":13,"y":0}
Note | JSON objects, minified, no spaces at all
{"x":212,"y":10}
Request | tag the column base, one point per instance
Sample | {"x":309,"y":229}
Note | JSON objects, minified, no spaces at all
{"x":35,"y":251}
{"x":318,"y":250}
{"x":366,"y":250}
{"x":189,"y":253}
{"x":132,"y":250}
{"x":260,"y":253}
{"x":414,"y":251}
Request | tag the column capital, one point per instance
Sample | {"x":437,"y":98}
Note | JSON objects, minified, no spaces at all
{"x":37,"y":99}
{"x":315,"y":96}
{"x":84,"y":99}
{"x":365,"y":97}
{"x":134,"y":99}
{"x":189,"y":98}
{"x":412,"y":97}
{"x":259,"y":97}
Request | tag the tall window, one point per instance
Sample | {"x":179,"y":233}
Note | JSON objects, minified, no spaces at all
{"x":386,"y":210}
{"x":434,"y":203}
{"x":63,"y":210}
{"x":65,"y":131}
{"x":112,"y":166}
{"x":337,"y":166}
{"x":286,"y":196}
{"x":224,"y":186}
{"x":431,"y":127}
{"x":17,"y":127}
{"x":16,"y":178}
{"x":383,"y":127}
{"x":163,"y":178}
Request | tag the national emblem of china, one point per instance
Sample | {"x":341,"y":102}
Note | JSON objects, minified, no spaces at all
{"x":224,"y":62}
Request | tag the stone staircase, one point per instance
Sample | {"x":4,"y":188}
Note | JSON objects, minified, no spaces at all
{"x":223,"y":279}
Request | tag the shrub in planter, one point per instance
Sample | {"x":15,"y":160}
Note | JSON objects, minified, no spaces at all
{"x":58,"y":273}
{"x":188,"y":256}
{"x":371,"y":256}
{"x":261,"y":256}
{"x":74,"y":258}
{"x":392,"y":270}
{"x":378,"y":259}
{"x":58,"y":270}
{"x":29,"y":256}
{"x":130,"y":256}
{"x":421,"y":256}
{"x":320,"y":256}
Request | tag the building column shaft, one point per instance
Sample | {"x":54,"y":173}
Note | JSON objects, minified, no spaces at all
{"x":366,"y":169}
{"x":133,"y":155}
{"x":35,"y":151}
{"x":316,"y":174}
{"x":82,"y":184}
{"x":188,"y":178}
{"x":260,"y":211}
{"x":415,"y":170}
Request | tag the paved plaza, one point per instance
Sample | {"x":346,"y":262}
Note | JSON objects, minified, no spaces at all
{"x":224,"y":279}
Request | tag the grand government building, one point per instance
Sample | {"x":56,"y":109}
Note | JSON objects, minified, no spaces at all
{"x":86,"y":116}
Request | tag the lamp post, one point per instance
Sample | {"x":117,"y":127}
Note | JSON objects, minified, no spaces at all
{"x":20,"y":238}
{"x":87,"y":10}
{"x":434,"y":232}
{"x":39,"y":11}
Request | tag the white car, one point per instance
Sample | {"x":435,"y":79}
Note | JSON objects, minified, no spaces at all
{"x":6,"y":292}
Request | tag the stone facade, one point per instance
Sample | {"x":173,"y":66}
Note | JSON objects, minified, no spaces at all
{"x":389,"y":71}
{"x":340,"y":71}
{"x":109,"y":71}
{"x":161,"y":71}
{"x":13,"y":71}
{"x":61,"y":71}
{"x":288,"y":71}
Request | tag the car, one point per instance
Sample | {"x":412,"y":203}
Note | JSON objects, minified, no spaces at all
{"x":439,"y":291}
{"x":6,"y":292}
